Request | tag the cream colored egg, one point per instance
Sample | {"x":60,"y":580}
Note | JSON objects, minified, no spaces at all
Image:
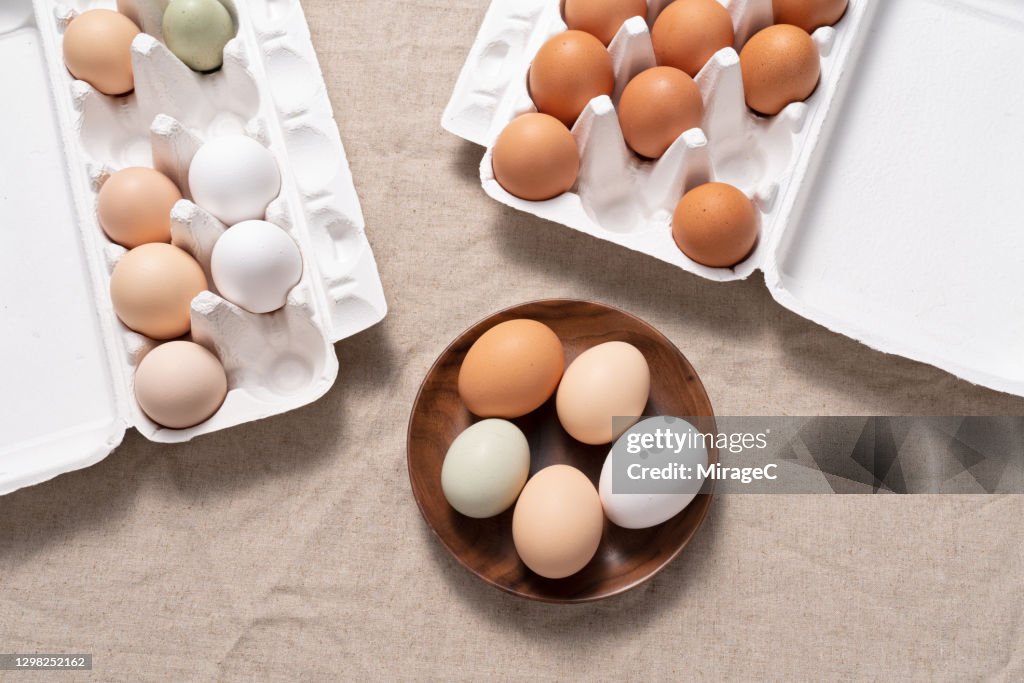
{"x":609,"y":381}
{"x":558,"y":522}
{"x":180,"y":384}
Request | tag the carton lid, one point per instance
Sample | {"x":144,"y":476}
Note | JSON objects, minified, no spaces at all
{"x":905,"y":225}
{"x":60,"y":406}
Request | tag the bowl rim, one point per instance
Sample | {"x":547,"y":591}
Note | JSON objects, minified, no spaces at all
{"x":684,"y":542}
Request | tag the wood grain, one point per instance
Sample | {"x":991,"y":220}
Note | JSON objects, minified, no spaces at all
{"x":626,"y":558}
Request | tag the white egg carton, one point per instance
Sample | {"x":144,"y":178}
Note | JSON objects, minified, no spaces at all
{"x":70,"y":399}
{"x":888,"y":200}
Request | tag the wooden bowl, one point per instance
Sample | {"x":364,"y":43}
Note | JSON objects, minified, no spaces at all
{"x":626,"y":558}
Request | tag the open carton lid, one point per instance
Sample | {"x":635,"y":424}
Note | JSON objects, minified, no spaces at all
{"x":904,"y":226}
{"x":61,"y":409}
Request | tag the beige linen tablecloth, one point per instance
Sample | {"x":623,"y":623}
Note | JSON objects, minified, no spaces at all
{"x":292,"y":548}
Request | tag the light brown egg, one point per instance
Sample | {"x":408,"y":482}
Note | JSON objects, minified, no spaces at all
{"x":180,"y":384}
{"x":658,"y":106}
{"x":536,"y":158}
{"x":558,"y":522}
{"x":134,"y":206}
{"x":97,"y":50}
{"x":605,"y":382}
{"x":512,"y":369}
{"x":570,"y":69}
{"x":688,"y":33}
{"x":809,"y":15}
{"x":715,"y":225}
{"x":152,"y":288}
{"x":602,"y":18}
{"x":780,"y":65}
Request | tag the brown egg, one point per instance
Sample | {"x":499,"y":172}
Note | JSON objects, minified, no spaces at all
{"x":558,"y":522}
{"x":658,"y":106}
{"x":97,"y":50}
{"x":180,"y":384}
{"x":689,"y":32}
{"x":536,"y":158}
{"x":134,"y":206}
{"x":809,"y":15}
{"x":152,"y":288}
{"x":780,"y":66}
{"x":569,"y":70}
{"x":512,"y":369}
{"x":715,"y":225}
{"x":602,"y":18}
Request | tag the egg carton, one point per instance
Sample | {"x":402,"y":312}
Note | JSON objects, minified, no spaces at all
{"x":71,"y":400}
{"x":868,"y":193}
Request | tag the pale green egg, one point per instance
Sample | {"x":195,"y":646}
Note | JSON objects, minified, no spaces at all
{"x":196,"y":31}
{"x":485,"y":468}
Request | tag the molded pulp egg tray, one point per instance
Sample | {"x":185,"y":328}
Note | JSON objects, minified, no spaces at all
{"x":889,"y":201}
{"x":68,"y":382}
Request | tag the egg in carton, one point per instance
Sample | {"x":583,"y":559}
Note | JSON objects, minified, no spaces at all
{"x":863,"y":190}
{"x":270,"y":89}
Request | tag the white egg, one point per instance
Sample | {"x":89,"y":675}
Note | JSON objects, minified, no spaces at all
{"x":234,"y":178}
{"x":485,"y":468}
{"x":255,"y":264}
{"x":644,"y":510}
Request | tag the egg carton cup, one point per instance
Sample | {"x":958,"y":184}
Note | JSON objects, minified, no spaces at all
{"x":270,"y":88}
{"x":868,"y":193}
